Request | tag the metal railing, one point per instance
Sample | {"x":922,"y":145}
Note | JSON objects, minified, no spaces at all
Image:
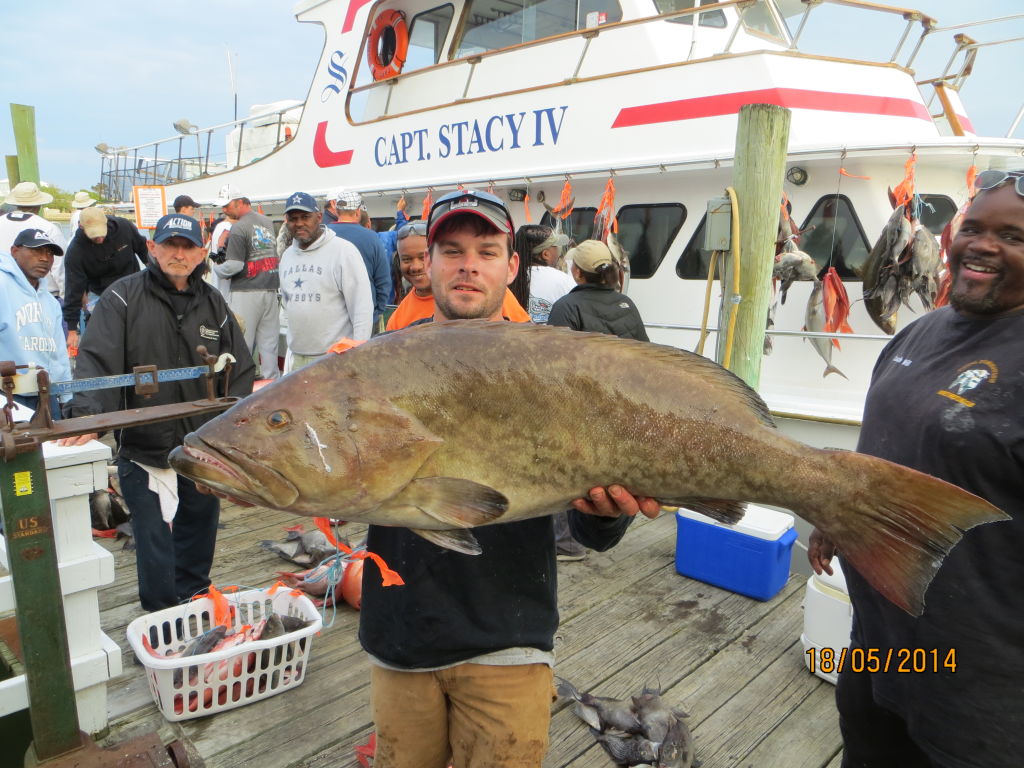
{"x":175,"y":159}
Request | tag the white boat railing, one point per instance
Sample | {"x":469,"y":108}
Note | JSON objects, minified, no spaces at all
{"x":194,"y":152}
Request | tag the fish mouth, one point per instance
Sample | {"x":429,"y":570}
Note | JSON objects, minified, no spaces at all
{"x":233,"y":472}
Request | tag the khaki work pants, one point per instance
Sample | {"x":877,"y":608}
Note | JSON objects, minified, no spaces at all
{"x":476,"y":715}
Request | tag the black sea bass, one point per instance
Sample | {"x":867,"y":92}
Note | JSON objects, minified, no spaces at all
{"x":446,"y":426}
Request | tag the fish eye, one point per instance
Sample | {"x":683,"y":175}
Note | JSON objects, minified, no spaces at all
{"x":279,"y":419}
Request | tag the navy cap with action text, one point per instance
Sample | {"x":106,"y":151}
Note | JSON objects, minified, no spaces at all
{"x":178,"y":225}
{"x":36,"y":238}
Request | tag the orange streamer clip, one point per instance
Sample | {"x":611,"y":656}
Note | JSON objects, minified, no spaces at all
{"x":565,"y":201}
{"x":221,"y":608}
{"x":847,"y":174}
{"x":389,"y":578}
{"x":972,"y":175}
{"x":526,"y":208}
{"x":428,"y":202}
{"x":904,"y":191}
{"x":344,"y":345}
{"x":607,"y":203}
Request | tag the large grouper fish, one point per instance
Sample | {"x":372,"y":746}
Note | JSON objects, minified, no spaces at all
{"x":449,"y":425}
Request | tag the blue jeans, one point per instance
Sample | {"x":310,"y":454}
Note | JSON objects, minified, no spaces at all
{"x":172,"y":561}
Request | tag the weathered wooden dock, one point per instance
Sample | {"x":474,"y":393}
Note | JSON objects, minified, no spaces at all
{"x":628,"y":620}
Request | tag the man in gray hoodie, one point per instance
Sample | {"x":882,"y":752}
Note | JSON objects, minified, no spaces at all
{"x":324,"y":285}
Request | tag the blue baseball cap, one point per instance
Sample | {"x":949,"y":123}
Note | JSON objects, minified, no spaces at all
{"x":300,"y":201}
{"x":178,"y":225}
{"x":482,"y":204}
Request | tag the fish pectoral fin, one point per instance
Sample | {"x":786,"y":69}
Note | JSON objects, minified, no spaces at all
{"x":458,"y":540}
{"x":722,"y":510}
{"x":454,"y":501}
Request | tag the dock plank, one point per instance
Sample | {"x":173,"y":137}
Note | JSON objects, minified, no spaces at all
{"x":627,"y":620}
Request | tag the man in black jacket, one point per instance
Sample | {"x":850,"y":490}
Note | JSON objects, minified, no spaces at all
{"x":159,"y":317}
{"x":103,"y":249}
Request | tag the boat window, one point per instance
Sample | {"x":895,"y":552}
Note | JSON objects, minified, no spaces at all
{"x":492,"y":24}
{"x":708,"y":19}
{"x":833,"y":236}
{"x":759,"y":19}
{"x":577,"y":225}
{"x":936,"y":212}
{"x":645,"y":234}
{"x":694,"y":261}
{"x":427,"y":34}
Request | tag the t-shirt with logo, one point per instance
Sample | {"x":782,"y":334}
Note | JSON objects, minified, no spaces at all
{"x":547,"y":285}
{"x":946,"y":398}
{"x":253,"y":242}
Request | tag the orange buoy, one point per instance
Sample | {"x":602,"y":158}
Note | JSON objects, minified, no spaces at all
{"x":388,"y":44}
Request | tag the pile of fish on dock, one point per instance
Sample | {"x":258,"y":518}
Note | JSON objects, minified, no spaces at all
{"x":641,"y":731}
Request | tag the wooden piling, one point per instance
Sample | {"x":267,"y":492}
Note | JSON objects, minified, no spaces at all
{"x":23,"y":119}
{"x":762,"y":138}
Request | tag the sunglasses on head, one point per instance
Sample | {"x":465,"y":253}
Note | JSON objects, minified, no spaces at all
{"x":412,"y":228}
{"x":993,"y":178}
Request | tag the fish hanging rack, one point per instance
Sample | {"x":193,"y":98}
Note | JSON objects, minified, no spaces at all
{"x":20,"y":437}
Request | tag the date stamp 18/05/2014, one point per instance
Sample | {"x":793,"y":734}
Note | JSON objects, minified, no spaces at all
{"x":906,"y":660}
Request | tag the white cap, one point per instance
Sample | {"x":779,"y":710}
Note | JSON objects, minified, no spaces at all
{"x":228,"y":193}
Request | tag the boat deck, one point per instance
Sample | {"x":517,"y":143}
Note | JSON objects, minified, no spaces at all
{"x":628,"y":620}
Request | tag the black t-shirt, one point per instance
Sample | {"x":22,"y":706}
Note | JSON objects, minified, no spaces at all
{"x":947,"y":398}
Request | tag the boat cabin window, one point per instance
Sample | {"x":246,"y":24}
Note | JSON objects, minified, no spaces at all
{"x":645,"y":234}
{"x":762,"y":21}
{"x":837,"y":238}
{"x":936,"y":212}
{"x":427,"y":34}
{"x":708,"y":19}
{"x":694,"y":262}
{"x":577,"y":225}
{"x":492,"y":24}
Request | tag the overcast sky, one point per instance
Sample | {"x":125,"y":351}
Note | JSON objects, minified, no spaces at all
{"x":121,"y":72}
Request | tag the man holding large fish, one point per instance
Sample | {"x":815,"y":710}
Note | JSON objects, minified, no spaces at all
{"x":946,"y":398}
{"x":433,"y":433}
{"x":463,"y":651}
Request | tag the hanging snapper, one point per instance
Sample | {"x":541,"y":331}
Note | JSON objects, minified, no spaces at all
{"x":446,"y":426}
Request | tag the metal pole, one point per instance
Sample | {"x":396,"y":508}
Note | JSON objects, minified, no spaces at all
{"x":32,"y":559}
{"x":1016,"y":122}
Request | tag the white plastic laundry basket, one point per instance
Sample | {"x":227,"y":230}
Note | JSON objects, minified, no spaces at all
{"x":206,"y":683}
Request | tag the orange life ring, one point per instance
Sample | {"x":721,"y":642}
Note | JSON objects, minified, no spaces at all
{"x":388,"y":44}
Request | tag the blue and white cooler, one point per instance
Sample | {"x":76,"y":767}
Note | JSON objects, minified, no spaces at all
{"x":751,"y":557}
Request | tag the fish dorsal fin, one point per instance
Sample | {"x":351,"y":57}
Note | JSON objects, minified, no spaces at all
{"x":456,"y":539}
{"x":454,"y":501}
{"x":698,"y":366}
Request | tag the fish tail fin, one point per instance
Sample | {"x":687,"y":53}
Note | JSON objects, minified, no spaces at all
{"x":566,"y":689}
{"x":904,"y":523}
{"x":832,"y":369}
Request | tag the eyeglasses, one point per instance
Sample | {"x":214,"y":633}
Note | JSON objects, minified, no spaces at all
{"x":993,"y":178}
{"x":412,"y":228}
